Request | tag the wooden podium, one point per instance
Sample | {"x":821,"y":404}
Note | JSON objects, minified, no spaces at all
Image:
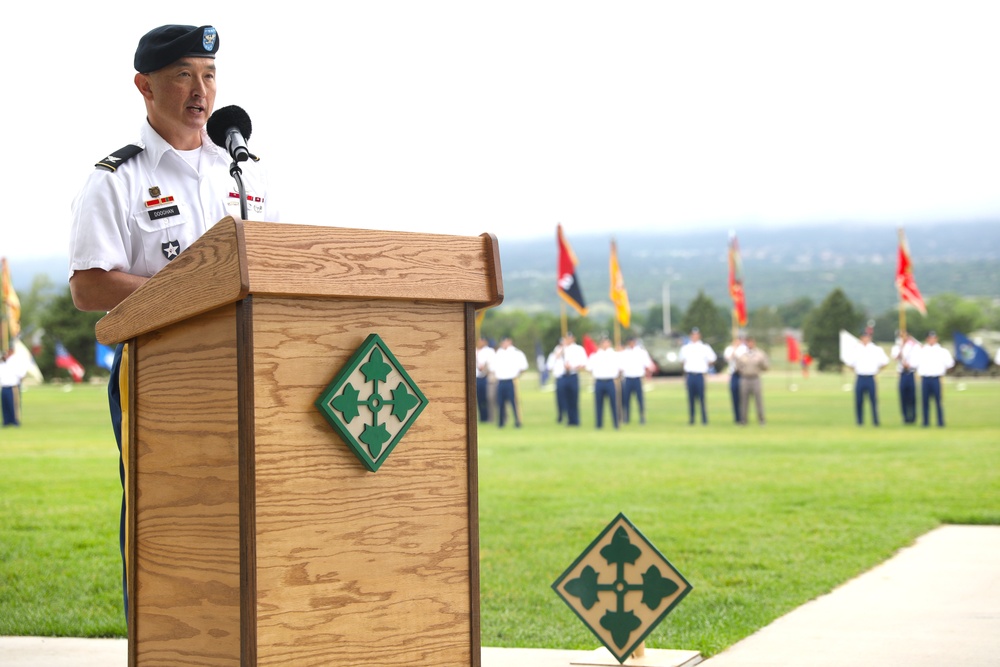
{"x":255,"y":535}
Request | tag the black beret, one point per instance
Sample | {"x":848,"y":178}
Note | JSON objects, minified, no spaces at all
{"x":169,"y":43}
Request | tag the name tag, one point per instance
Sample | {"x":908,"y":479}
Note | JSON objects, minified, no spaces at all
{"x":166,"y":212}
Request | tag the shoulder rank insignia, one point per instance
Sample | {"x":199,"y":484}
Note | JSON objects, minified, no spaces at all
{"x":113,"y":161}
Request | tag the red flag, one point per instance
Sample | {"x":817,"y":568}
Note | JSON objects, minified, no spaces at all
{"x":792,"y":344}
{"x":589,"y":346}
{"x":66,"y":360}
{"x":566,"y":283}
{"x":907,"y":286}
{"x":736,"y":281}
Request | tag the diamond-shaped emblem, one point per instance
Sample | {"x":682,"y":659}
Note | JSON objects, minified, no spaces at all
{"x":372,"y":402}
{"x":621,"y":587}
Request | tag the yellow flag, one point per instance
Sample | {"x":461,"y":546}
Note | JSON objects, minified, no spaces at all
{"x":618,"y":294}
{"x":11,"y":307}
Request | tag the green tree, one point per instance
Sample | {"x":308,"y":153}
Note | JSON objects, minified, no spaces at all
{"x":35,"y":302}
{"x":765,"y":325}
{"x":63,"y":323}
{"x":948,"y":313}
{"x":821,"y":329}
{"x":653,"y":322}
{"x":711,"y":320}
{"x":887,"y":324}
{"x":794,"y":314}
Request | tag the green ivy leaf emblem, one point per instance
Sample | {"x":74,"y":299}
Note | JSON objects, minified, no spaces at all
{"x":621,"y":550}
{"x":347,"y":403}
{"x":374,"y":435}
{"x":620,"y":624}
{"x":584,"y":587}
{"x":375,"y":369}
{"x":402,"y":402}
{"x":655,"y":587}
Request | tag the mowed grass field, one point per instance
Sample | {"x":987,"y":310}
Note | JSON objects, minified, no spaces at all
{"x":758,"y":519}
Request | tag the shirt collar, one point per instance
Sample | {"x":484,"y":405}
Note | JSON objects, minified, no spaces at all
{"x":156,"y":146}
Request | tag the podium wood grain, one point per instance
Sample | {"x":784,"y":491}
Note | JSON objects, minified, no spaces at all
{"x":187,"y":542}
{"x":355,"y":567}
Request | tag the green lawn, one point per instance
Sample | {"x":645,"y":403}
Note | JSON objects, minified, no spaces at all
{"x":758,"y":519}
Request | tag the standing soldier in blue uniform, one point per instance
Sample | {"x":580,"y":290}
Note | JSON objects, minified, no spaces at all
{"x":732,"y":351}
{"x":484,"y":356}
{"x":604,"y":365}
{"x":148,"y":201}
{"x":904,"y":352}
{"x":697,"y":358}
{"x":636,"y":366}
{"x":867,"y":361}
{"x":933,"y":361}
{"x":507,"y":365}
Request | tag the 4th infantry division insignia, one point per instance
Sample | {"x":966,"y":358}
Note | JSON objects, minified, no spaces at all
{"x":621,"y":587}
{"x":372,"y":402}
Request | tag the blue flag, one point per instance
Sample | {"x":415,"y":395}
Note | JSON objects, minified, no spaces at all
{"x":104,"y":355}
{"x":969,"y":354}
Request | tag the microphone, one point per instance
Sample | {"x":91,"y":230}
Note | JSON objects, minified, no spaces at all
{"x":229,"y":128}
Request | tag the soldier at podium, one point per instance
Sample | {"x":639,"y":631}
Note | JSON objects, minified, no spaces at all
{"x":146,"y":202}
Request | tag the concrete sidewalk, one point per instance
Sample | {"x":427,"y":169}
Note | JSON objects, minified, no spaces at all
{"x":934,"y":603}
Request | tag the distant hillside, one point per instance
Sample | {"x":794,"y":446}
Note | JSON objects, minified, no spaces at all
{"x":779,"y":265}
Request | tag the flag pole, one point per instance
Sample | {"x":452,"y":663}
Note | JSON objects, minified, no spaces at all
{"x":563,"y":321}
{"x":902,"y":305}
{"x":4,"y":333}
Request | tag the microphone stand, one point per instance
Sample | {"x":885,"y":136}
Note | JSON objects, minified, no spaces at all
{"x":237,"y":173}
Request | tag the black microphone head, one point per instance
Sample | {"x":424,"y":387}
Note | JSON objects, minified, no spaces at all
{"x":225,"y":118}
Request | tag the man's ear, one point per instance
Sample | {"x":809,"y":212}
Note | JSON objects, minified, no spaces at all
{"x":143,"y":83}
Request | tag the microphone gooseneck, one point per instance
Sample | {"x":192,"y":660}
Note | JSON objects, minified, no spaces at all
{"x":230,"y":128}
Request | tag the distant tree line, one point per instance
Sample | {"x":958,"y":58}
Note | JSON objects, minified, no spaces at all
{"x":48,"y":316}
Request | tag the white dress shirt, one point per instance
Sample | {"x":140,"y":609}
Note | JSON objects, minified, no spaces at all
{"x":933,"y":361}
{"x":484,"y":355}
{"x":603,"y":364}
{"x":635,"y":362}
{"x":697,"y":356}
{"x":153,"y":206}
{"x":575,"y":357}
{"x":868,"y":359}
{"x":508,"y":363}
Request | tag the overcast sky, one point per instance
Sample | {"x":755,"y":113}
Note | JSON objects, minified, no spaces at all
{"x":465,"y":117}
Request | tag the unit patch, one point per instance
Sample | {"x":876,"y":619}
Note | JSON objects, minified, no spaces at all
{"x":171,"y":249}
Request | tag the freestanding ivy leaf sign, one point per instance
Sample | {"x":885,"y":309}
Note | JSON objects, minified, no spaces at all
{"x":621,"y":587}
{"x":372,"y":402}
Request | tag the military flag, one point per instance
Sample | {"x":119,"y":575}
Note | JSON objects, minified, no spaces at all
{"x":567,"y":285}
{"x":104,"y":355}
{"x":850,"y":345}
{"x":736,"y":282}
{"x":10,"y":309}
{"x":66,"y":360}
{"x":619,"y":296}
{"x":792,"y":343}
{"x":907,"y":286}
{"x":969,"y":354}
